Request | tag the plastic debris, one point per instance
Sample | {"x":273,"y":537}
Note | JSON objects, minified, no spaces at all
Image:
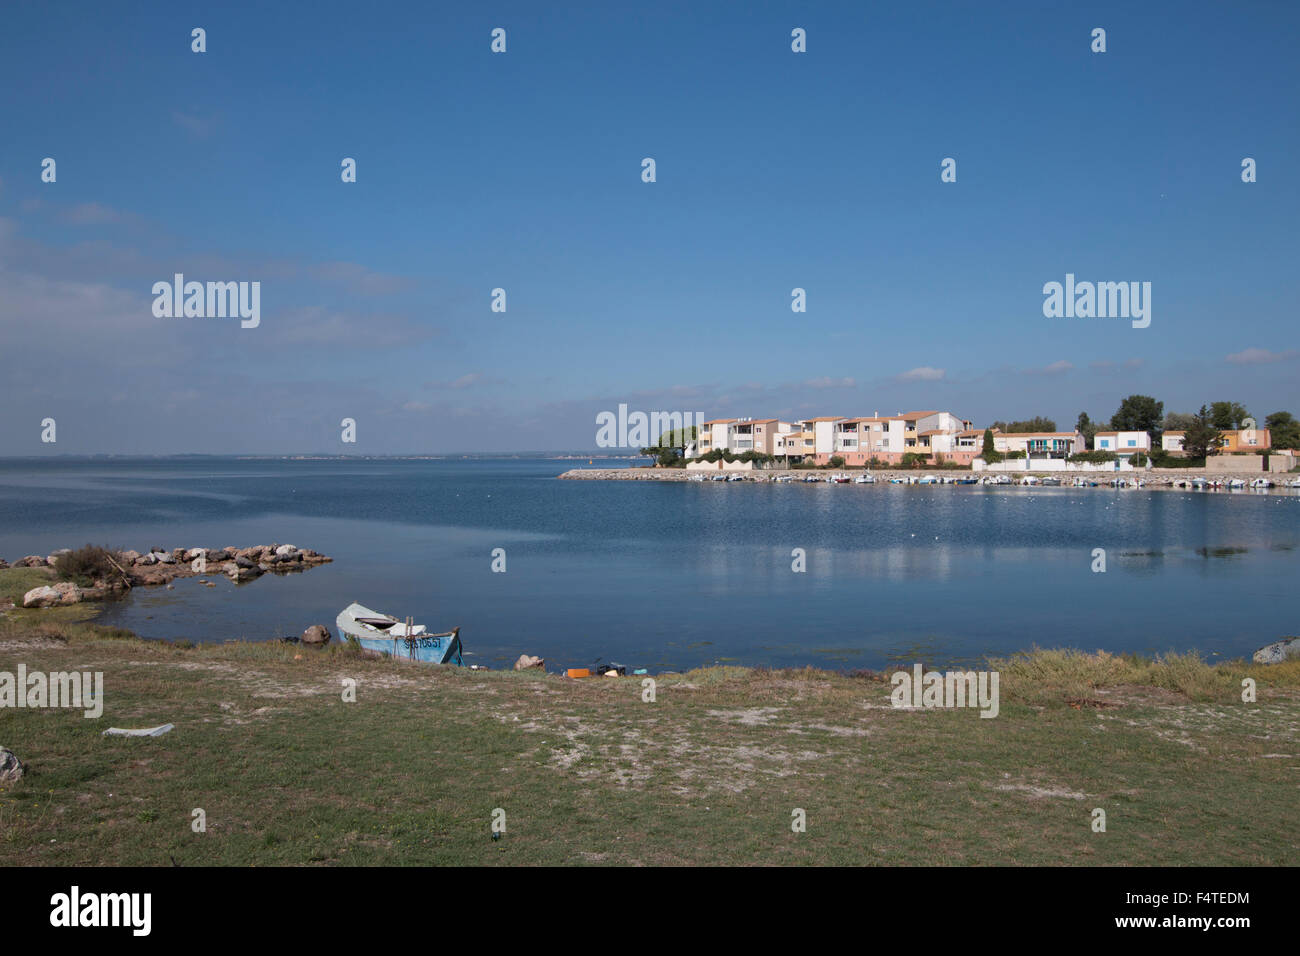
{"x":144,"y":732}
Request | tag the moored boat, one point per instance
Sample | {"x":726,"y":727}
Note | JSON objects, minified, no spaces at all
{"x":375,"y":631}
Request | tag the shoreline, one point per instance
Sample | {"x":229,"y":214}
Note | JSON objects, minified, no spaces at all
{"x":1157,"y":479}
{"x":1172,"y":746}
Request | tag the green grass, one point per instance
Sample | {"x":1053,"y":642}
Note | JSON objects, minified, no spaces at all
{"x":709,"y":773}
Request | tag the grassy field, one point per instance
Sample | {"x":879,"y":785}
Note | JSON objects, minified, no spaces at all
{"x":710,"y":772}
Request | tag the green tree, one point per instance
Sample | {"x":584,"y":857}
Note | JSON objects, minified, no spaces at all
{"x":1036,"y":424}
{"x":837,"y":461}
{"x":1138,"y":413}
{"x":1086,"y":427}
{"x":1284,"y":430}
{"x":989,"y":453}
{"x":1201,"y":436}
{"x":1227,"y":415}
{"x":1177,"y":422}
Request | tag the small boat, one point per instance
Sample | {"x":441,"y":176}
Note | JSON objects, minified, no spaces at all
{"x":841,"y":479}
{"x":927,"y":480}
{"x":865,"y":480}
{"x":1031,"y":480}
{"x":384,"y":633}
{"x":966,"y":481}
{"x":1051,"y":481}
{"x":735,"y":477}
{"x":1261,"y":483}
{"x":1236,"y":482}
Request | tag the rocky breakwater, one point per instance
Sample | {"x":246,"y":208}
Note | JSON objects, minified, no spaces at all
{"x":118,"y":571}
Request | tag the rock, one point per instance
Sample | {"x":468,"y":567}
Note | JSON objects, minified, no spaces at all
{"x":245,"y":563}
{"x":285,"y":549}
{"x":155,"y":574}
{"x":51,"y":559}
{"x":3,"y":564}
{"x":238,"y":574}
{"x":1278,"y":651}
{"x":31,"y":561}
{"x":129,"y":557}
{"x":11,"y":768}
{"x":163,"y":557}
{"x":144,"y":560}
{"x":317,"y":634}
{"x":65,"y":592}
{"x":208,"y":584}
{"x":178,"y":554}
{"x":220,"y":554}
{"x":527,"y":660}
{"x":193,"y":553}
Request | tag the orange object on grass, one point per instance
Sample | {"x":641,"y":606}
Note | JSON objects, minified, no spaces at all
{"x":579,"y":672}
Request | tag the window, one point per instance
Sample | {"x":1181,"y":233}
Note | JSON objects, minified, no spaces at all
{"x":1132,"y":442}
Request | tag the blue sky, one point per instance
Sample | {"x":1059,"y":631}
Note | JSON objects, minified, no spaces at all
{"x":522,"y":171}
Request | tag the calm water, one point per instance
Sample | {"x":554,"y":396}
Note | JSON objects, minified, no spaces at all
{"x":672,"y":575}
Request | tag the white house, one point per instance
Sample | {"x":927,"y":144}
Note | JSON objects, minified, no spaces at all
{"x":1122,"y":443}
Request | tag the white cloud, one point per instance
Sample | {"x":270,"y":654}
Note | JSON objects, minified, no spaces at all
{"x":1255,"y":356}
{"x":922,"y":373}
{"x":828,"y":382}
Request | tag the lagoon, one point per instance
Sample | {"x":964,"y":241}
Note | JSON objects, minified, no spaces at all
{"x":671,"y":575}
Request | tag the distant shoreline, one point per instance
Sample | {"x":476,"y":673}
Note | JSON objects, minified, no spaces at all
{"x":1158,"y":479}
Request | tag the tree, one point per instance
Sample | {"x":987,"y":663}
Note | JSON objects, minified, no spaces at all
{"x":1138,"y":413}
{"x":1035,"y":424}
{"x":1227,"y":415}
{"x":1284,"y":429}
{"x":1087,"y":428}
{"x":837,"y":461}
{"x":989,"y":453}
{"x":1201,"y":437}
{"x":1177,"y":422}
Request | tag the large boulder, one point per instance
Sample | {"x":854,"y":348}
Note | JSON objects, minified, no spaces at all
{"x":1278,"y":651}
{"x":31,"y":561}
{"x":285,"y":549}
{"x":129,"y":557}
{"x":164,"y":557}
{"x":527,"y":661}
{"x":317,"y":634}
{"x":11,"y":768}
{"x":65,"y":592}
{"x":145,"y":560}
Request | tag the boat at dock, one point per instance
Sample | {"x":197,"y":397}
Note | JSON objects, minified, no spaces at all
{"x":375,"y":631}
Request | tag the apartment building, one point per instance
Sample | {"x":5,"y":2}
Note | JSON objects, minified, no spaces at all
{"x":714,"y":435}
{"x":859,"y":441}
